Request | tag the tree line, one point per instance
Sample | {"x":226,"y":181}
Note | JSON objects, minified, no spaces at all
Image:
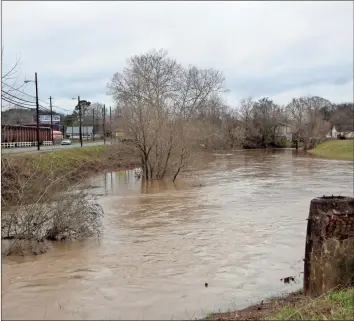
{"x":168,"y":110}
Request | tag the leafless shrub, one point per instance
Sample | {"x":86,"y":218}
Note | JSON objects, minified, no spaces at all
{"x":74,"y":216}
{"x":24,"y":182}
{"x":42,"y":201}
{"x":24,"y":247}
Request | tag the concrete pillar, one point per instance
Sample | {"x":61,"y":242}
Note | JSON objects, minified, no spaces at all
{"x":329,"y":249}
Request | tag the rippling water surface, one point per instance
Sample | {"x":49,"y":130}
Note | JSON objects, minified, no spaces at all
{"x":237,"y":223}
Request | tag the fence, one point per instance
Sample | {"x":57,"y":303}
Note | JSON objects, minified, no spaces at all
{"x":24,"y":144}
{"x":329,"y":250}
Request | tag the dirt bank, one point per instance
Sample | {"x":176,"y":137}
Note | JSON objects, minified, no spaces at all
{"x":259,"y":311}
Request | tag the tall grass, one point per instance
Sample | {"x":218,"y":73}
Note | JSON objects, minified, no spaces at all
{"x":335,"y":305}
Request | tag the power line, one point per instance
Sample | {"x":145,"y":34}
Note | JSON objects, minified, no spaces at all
{"x":16,"y":104}
{"x":23,"y":105}
{"x":65,"y":110}
{"x":27,"y":101}
{"x":43,"y":101}
{"x":9,"y":100}
{"x":22,"y":92}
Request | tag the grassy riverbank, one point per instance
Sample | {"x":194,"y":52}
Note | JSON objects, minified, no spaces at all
{"x":40,"y":198}
{"x":335,"y":305}
{"x":23,"y":173}
{"x":335,"y":149}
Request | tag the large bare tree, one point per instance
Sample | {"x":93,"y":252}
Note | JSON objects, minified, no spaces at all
{"x":262,"y":122}
{"x":158,"y":100}
{"x":305,"y":114}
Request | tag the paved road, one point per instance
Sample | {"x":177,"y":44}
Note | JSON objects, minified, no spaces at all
{"x":46,"y":148}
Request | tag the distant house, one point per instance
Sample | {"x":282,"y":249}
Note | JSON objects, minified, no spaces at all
{"x":74,"y":132}
{"x":346,"y":131}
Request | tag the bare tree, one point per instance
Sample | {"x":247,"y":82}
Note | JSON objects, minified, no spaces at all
{"x":297,"y":117}
{"x":158,"y":99}
{"x":9,"y":76}
{"x":195,"y":88}
{"x":306,"y":117}
{"x":342,"y":118}
{"x":262,"y":122}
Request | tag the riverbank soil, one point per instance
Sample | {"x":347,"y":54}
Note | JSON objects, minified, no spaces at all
{"x":259,"y":311}
{"x":335,"y":149}
{"x":335,"y":305}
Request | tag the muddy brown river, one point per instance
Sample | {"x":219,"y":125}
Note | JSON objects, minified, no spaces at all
{"x":237,"y":223}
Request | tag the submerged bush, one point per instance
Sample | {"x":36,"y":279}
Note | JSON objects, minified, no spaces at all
{"x":74,"y":216}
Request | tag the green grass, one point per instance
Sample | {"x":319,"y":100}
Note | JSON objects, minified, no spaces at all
{"x":335,"y":149}
{"x":67,"y":159}
{"x":70,"y":158}
{"x":337,"y":305}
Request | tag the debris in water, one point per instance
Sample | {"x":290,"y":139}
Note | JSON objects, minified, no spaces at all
{"x":288,"y":279}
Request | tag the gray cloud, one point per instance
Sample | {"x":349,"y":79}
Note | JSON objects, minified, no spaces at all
{"x":274,"y":49}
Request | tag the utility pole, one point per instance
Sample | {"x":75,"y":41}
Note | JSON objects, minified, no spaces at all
{"x":37,"y":110}
{"x":97,"y":122}
{"x":51,"y":118}
{"x":104,"y":124}
{"x":110,"y":121}
{"x":80,"y":120}
{"x":93,"y":123}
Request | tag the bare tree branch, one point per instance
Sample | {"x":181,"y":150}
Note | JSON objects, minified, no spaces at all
{"x":157,"y":99}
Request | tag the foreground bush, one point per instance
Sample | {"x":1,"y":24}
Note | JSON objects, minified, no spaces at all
{"x":75,"y":216}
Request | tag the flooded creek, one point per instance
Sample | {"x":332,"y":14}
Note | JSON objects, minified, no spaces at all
{"x":239,"y":225}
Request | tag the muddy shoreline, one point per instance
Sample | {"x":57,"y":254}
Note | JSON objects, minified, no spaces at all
{"x":260,"y":311}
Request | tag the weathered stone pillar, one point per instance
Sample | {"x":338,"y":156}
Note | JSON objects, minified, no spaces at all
{"x":329,"y":250}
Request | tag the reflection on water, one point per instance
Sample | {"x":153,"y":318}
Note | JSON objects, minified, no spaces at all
{"x":240,"y":228}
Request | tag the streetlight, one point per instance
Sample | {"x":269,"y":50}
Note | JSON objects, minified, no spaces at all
{"x":37,"y":106}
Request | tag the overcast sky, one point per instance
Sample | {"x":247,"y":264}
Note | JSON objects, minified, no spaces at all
{"x":275,"y":49}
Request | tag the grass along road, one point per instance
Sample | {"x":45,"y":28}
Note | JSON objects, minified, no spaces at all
{"x":335,"y":149}
{"x":24,"y":174}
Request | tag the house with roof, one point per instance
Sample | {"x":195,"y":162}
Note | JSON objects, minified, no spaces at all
{"x":342,"y":131}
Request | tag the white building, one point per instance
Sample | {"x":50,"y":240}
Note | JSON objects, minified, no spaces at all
{"x":346,"y":131}
{"x":74,"y":132}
